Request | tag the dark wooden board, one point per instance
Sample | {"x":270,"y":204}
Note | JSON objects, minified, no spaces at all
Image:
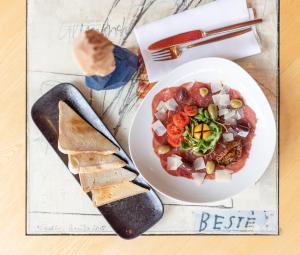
{"x":129,"y":217}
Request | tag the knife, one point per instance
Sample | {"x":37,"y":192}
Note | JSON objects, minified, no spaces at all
{"x":198,"y":34}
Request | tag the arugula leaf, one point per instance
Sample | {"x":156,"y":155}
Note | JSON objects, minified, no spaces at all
{"x":184,"y":145}
{"x":202,"y":116}
{"x":200,"y":145}
{"x":206,"y":114}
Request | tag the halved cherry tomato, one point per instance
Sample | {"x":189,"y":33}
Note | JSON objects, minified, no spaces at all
{"x":180,"y":119}
{"x":175,"y":140}
{"x":190,"y":110}
{"x":173,"y":130}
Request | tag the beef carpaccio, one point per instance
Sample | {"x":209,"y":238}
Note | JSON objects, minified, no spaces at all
{"x":202,"y":131}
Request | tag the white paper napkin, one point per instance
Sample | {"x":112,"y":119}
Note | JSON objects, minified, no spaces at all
{"x":206,"y":17}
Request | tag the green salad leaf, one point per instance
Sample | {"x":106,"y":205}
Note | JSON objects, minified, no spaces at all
{"x":201,"y":145}
{"x":202,"y":116}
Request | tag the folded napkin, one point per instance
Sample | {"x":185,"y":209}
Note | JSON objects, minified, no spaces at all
{"x":205,"y":17}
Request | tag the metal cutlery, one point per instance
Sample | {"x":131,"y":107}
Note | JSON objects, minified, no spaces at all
{"x":175,"y":51}
{"x":198,"y":34}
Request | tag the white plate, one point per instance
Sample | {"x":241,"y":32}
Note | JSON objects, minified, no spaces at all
{"x":205,"y":70}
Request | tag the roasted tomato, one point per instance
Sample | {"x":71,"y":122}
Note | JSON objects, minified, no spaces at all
{"x":180,"y":119}
{"x":173,"y":130}
{"x":190,"y":110}
{"x":174,"y":141}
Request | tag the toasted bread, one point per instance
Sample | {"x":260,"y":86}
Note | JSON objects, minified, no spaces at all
{"x":105,"y":177}
{"x":73,"y":169}
{"x":112,"y":193}
{"x":77,"y":136}
{"x":92,"y":162}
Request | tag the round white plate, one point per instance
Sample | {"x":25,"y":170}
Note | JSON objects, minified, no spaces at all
{"x":148,"y":163}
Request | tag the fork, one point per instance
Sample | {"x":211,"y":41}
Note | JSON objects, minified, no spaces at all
{"x":175,"y":51}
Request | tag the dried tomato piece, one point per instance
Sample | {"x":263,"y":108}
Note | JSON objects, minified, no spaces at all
{"x":190,"y":110}
{"x":175,"y":141}
{"x":180,"y":119}
{"x":173,"y":130}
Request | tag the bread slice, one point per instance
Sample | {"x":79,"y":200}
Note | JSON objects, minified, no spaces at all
{"x":105,"y":178}
{"x":73,"y":169}
{"x":112,"y":193}
{"x":93,"y":162}
{"x":77,"y":136}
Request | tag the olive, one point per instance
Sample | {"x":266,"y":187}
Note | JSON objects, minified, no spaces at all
{"x":210,"y":167}
{"x":236,"y":103}
{"x":203,"y":92}
{"x":163,"y":149}
{"x":243,"y":126}
{"x":213,"y":111}
{"x":182,"y":95}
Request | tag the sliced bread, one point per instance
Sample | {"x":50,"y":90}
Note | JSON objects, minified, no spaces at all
{"x":77,"y":136}
{"x":112,"y":193}
{"x":93,"y":162}
{"x":104,"y":178}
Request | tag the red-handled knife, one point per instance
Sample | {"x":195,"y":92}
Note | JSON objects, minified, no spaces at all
{"x":198,"y":34}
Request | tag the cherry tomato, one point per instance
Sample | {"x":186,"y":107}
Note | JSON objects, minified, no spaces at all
{"x":174,"y":141}
{"x":190,"y":110}
{"x":180,"y":119}
{"x":173,"y":130}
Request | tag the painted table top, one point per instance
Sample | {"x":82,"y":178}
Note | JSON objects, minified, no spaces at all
{"x":52,"y":209}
